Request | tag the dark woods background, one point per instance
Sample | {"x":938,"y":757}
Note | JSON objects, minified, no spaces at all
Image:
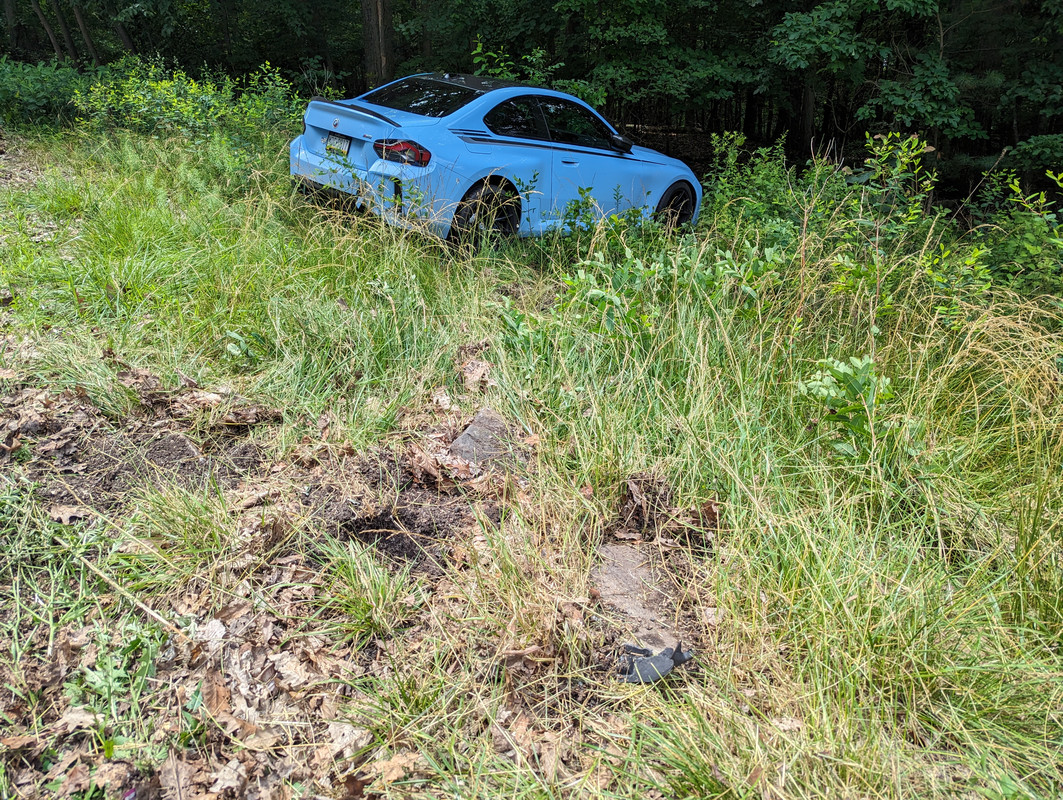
{"x":973,"y":77}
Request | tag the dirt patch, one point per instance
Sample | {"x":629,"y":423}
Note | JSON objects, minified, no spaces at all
{"x":627,"y":585}
{"x":74,"y":455}
{"x":17,"y":171}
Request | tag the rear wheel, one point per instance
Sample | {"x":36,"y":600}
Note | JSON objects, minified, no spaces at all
{"x":676,"y":206}
{"x":486,"y":215}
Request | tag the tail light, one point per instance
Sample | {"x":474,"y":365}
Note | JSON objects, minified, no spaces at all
{"x":402,"y":151}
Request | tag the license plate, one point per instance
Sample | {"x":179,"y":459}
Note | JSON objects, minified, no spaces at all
{"x":338,"y":143}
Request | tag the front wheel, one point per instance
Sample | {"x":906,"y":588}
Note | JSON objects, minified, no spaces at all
{"x":676,"y":206}
{"x":487,"y":214}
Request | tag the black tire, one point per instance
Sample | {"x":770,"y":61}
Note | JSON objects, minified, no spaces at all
{"x":489,"y":213}
{"x":676,"y":206}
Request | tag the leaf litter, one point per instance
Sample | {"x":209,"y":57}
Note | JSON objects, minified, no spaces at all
{"x":253,"y":699}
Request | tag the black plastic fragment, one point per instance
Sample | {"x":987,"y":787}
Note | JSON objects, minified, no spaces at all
{"x":641,"y":666}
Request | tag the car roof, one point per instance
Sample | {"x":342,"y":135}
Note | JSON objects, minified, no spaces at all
{"x":476,"y":82}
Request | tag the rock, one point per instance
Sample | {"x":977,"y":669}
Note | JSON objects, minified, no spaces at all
{"x":626,"y":584}
{"x":484,"y":440}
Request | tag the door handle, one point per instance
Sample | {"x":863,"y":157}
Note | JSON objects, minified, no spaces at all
{"x":570,"y":162}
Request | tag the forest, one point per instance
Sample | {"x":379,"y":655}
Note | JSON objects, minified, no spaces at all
{"x":980,"y":80}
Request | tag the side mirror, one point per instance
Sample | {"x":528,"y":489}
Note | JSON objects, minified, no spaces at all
{"x":621,"y":143}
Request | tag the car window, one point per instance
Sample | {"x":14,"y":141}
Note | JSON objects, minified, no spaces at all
{"x":517,"y":117}
{"x":573,"y":124}
{"x":424,"y":96}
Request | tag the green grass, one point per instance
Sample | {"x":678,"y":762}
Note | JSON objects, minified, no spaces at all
{"x":888,"y":625}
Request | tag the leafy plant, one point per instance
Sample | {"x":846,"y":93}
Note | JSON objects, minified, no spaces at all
{"x":856,"y":397}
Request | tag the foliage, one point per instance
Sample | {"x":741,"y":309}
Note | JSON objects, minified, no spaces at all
{"x":38,"y":92}
{"x":878,"y":554}
{"x":151,"y":97}
{"x":1022,"y":233}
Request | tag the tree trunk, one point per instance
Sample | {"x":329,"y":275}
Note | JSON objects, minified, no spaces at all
{"x":808,"y":118}
{"x":119,"y":28}
{"x":377,"y":34}
{"x":80,"y":19}
{"x":47,"y":28}
{"x":9,"y":20}
{"x":64,"y":29}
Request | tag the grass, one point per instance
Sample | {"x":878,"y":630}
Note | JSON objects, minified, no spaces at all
{"x":882,"y":626}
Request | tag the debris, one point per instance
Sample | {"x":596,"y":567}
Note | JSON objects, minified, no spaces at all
{"x":67,"y":515}
{"x":474,"y":373}
{"x":484,"y":439}
{"x":713,"y":615}
{"x":641,"y":666}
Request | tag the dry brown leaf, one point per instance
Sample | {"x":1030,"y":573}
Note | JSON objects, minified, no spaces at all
{"x":347,"y":739}
{"x":441,"y":400}
{"x":551,"y":748}
{"x":69,"y":514}
{"x":713,"y":615}
{"x":76,"y":719}
{"x":18,"y":742}
{"x":788,"y":724}
{"x":113,"y":776}
{"x":216,"y":695}
{"x":231,"y":776}
{"x":177,"y":779}
{"x":7,"y":374}
{"x":395,"y":768}
{"x":474,"y":373}
{"x":291,"y":672}
{"x":77,"y":780}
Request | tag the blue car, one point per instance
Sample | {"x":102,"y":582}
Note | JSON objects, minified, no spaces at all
{"x":460,"y":154}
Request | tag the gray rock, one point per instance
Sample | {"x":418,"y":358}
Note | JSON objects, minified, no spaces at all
{"x":626,"y":583}
{"x":486,"y":439}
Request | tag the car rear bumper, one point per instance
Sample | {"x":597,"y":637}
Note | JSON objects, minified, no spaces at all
{"x":395,"y":192}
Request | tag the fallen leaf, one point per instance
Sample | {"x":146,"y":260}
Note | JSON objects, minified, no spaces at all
{"x":788,"y":724}
{"x":347,"y":739}
{"x":232,"y":776}
{"x":474,"y":373}
{"x":713,"y":615}
{"x":113,"y":776}
{"x":77,"y":780}
{"x":7,"y":374}
{"x":216,"y":695}
{"x":291,"y":672}
{"x":69,"y":514}
{"x":18,"y":742}
{"x":394,"y":768}
{"x":76,"y":719}
{"x":177,"y":778}
{"x":441,"y":400}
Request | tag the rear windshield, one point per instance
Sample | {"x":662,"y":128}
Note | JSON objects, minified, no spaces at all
{"x":422,"y":96}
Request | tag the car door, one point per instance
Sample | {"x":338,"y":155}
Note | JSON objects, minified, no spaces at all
{"x":587,"y":169}
{"x":522,"y":154}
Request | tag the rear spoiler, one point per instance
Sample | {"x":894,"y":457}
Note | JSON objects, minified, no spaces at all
{"x":353,"y":107}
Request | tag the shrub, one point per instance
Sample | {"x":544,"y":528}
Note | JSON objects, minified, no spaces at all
{"x":151,"y":97}
{"x":35,"y":92}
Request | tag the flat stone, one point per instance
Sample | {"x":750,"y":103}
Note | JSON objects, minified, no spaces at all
{"x":484,"y":440}
{"x":625,"y":583}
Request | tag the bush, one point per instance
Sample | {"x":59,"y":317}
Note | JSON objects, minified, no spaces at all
{"x":36,"y":92}
{"x":1023,"y":235}
{"x":151,"y":97}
